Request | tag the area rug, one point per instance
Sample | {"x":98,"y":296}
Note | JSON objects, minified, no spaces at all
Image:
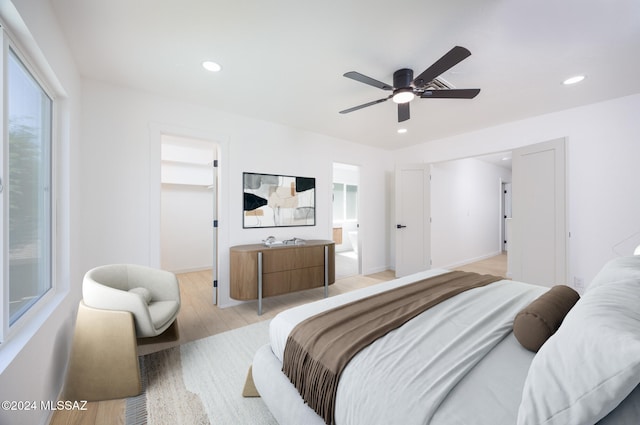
{"x":201,"y":382}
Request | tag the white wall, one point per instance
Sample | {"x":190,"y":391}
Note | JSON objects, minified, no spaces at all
{"x":603,"y":147}
{"x":33,"y":362}
{"x":465,"y":208}
{"x":120,"y":186}
{"x":186,"y":228}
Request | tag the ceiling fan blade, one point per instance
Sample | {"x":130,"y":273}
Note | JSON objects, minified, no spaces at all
{"x":367,"y":80}
{"x":449,"y":60}
{"x":403,"y":111}
{"x":450,"y":94}
{"x":364,"y":105}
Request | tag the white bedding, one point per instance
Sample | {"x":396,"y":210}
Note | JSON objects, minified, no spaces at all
{"x":419,"y":364}
{"x":456,"y":364}
{"x":283,"y":323}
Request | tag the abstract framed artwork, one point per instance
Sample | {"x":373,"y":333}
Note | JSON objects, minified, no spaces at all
{"x":272,"y":200}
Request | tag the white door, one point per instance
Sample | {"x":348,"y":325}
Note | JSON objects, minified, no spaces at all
{"x":539,"y":240}
{"x":506,"y":213}
{"x":214,"y":223}
{"x":412,"y":227}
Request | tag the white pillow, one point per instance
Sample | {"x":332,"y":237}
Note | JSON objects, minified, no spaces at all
{"x":591,"y":363}
{"x":143,"y":293}
{"x":627,"y":412}
{"x":621,"y":268}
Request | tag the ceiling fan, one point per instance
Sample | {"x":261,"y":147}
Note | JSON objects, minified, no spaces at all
{"x":405,"y":87}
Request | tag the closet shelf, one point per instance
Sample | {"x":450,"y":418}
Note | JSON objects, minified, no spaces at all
{"x":187,"y":163}
{"x":207,"y":186}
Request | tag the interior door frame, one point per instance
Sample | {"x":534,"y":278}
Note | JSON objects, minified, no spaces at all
{"x":220,"y":295}
{"x":358,"y":169}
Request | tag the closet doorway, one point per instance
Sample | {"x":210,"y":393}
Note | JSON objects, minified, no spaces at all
{"x":188,"y":210}
{"x":346,"y":182}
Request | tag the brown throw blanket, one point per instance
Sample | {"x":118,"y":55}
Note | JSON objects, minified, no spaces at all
{"x":319,"y":348}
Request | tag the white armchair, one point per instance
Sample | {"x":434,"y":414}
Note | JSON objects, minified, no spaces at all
{"x":151,"y":295}
{"x":122,"y":303}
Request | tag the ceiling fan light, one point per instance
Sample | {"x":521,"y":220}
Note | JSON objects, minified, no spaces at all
{"x":403,"y":96}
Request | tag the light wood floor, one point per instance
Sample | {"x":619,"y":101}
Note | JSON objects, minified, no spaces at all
{"x":496,"y":266}
{"x":199,"y":318}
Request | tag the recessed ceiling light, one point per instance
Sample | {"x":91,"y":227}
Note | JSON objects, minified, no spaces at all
{"x":211,"y":66}
{"x":573,"y":80}
{"x":402,"y":130}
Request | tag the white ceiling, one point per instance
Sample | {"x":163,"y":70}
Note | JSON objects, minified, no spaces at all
{"x":283,"y":60}
{"x":500,"y":159}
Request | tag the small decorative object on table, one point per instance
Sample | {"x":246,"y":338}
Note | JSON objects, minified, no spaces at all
{"x":294,"y":241}
{"x":271,"y":241}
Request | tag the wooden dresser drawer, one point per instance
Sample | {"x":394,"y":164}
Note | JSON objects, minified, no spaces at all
{"x":284,"y":268}
{"x":281,"y":259}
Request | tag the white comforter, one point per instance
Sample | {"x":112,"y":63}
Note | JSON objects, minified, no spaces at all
{"x":419,"y":364}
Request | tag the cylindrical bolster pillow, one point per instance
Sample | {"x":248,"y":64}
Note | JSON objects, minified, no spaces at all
{"x":540,"y":319}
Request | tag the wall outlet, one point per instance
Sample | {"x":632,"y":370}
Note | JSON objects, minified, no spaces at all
{"x":578,"y":282}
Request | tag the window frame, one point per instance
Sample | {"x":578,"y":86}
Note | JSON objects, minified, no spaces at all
{"x":9,"y":330}
{"x":345,"y":198}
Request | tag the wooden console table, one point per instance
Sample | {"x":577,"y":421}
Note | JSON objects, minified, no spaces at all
{"x":258,"y":271}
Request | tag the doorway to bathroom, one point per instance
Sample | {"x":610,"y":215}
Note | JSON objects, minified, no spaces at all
{"x":346,"y":181}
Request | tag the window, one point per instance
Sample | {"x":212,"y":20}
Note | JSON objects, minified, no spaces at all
{"x":351,"y":202}
{"x":26,"y":261}
{"x":338,"y":202}
{"x":345,"y":202}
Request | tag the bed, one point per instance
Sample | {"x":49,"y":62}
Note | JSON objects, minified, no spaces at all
{"x":460,"y":362}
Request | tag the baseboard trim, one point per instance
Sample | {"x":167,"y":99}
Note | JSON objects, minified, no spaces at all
{"x":374,"y":270}
{"x":192,"y":269}
{"x":468,"y":261}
